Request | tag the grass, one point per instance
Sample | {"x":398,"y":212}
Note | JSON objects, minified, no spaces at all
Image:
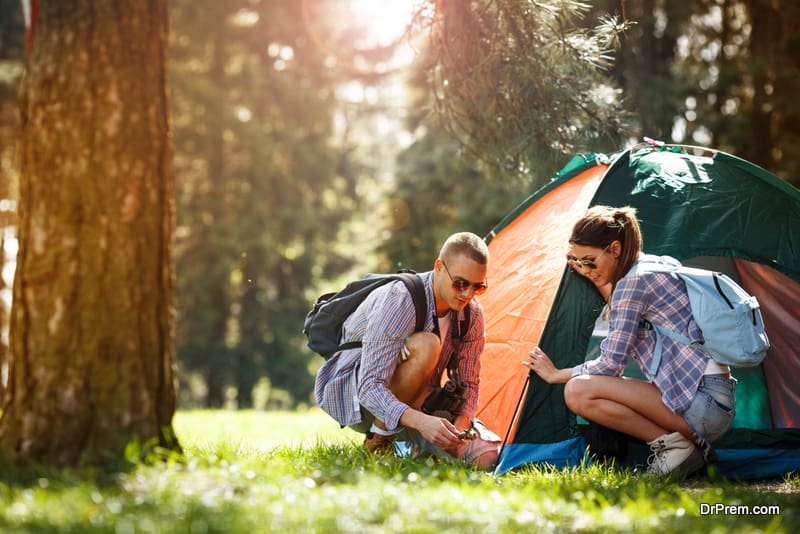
{"x":298,"y":472}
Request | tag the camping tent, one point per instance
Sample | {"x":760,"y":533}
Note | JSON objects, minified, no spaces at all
{"x":704,"y":207}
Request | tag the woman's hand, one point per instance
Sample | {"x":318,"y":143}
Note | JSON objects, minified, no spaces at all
{"x":541,"y":364}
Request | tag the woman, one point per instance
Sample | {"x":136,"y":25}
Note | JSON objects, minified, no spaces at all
{"x":689,"y":402}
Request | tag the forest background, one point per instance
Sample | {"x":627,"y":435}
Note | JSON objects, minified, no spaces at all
{"x":316,"y":140}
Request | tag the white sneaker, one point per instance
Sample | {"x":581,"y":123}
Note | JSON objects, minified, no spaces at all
{"x":673,"y":452}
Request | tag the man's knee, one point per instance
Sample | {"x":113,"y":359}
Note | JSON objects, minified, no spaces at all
{"x":423,"y":349}
{"x":416,"y":366}
{"x":423,"y":342}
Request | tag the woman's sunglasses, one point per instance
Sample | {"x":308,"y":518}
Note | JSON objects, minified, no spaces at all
{"x":461,"y":285}
{"x":589,"y":264}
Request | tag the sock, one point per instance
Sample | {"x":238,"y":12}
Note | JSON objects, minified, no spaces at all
{"x":382,"y":432}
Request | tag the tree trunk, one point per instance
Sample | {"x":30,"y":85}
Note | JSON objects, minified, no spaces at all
{"x":92,"y":321}
{"x":215,"y":383}
{"x":773,"y":66}
{"x":249,"y":353}
{"x":3,"y":348}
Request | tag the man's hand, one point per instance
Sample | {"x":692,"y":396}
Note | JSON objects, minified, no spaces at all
{"x":436,"y":430}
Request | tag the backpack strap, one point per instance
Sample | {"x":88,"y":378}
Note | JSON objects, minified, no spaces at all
{"x":462,"y":327}
{"x":663,"y":331}
{"x":416,"y":288}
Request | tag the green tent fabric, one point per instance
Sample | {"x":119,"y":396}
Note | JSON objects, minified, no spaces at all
{"x":717,"y":206}
{"x":708,"y":209}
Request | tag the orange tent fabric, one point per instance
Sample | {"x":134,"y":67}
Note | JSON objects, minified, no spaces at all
{"x":525,"y":270}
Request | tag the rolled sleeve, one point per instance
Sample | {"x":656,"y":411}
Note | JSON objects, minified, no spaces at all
{"x":627,"y":305}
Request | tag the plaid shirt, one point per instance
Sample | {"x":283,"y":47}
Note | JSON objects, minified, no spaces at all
{"x":360,"y":377}
{"x":660,"y":298}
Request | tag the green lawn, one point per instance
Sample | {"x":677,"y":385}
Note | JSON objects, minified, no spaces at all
{"x":298,"y":472}
{"x":199,"y":429}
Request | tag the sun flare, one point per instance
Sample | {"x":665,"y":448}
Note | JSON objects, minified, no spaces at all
{"x":367,"y":26}
{"x":385,"y":20}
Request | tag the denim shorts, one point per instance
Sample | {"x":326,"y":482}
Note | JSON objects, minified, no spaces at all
{"x":713,"y":408}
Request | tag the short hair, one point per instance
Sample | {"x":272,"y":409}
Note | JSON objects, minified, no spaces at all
{"x":467,"y":244}
{"x":602,"y":225}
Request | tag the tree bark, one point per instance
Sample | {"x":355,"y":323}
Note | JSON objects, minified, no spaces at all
{"x":92,"y":357}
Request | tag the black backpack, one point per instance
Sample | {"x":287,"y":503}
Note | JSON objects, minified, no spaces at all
{"x":323,"y":324}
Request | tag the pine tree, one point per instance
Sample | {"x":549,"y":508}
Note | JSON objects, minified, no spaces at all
{"x":91,"y":324}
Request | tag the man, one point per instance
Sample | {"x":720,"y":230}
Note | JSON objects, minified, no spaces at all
{"x":379,"y":388}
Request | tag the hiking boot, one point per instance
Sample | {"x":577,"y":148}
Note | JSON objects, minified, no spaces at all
{"x":673,"y":452}
{"x":378,"y":444}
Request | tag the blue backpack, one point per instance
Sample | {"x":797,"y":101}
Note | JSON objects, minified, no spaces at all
{"x":728,"y":316}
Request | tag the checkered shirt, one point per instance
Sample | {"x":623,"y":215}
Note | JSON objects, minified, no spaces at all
{"x":660,"y":298}
{"x":360,"y":377}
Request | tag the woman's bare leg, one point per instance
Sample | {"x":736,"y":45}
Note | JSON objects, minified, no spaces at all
{"x":628,"y":405}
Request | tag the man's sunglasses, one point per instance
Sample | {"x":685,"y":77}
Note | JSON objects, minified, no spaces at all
{"x":461,"y":285}
{"x":589,"y":264}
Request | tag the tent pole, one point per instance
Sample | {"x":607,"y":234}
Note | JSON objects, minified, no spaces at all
{"x":514,"y":417}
